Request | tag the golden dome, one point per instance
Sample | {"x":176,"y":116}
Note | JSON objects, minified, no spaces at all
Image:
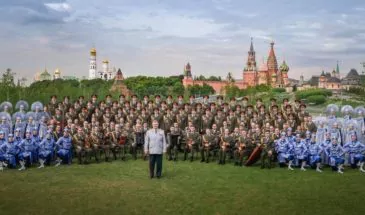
{"x":105,"y":61}
{"x":57,"y":71}
{"x":93,"y":51}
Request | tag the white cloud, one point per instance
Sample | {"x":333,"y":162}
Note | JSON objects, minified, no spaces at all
{"x":304,"y":25}
{"x":59,"y":7}
{"x":315,"y":25}
{"x":163,"y":23}
{"x":359,"y":9}
{"x":250,"y":15}
{"x":341,"y":22}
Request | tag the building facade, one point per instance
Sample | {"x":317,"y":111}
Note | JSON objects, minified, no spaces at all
{"x":333,"y":80}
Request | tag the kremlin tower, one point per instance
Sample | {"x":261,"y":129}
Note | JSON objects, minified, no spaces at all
{"x":250,"y":71}
{"x":188,"y":79}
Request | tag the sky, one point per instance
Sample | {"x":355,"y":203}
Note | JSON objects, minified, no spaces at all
{"x":158,"y":37}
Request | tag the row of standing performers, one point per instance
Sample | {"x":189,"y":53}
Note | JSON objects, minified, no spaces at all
{"x":288,"y":149}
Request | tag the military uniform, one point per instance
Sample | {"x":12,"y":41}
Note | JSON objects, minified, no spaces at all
{"x":218,"y":120}
{"x":116,"y":142}
{"x":106,"y":144}
{"x":168,"y":121}
{"x":138,"y":142}
{"x":192,"y":144}
{"x":194,"y":118}
{"x":227,"y":145}
{"x":243,"y":150}
{"x":207,"y":146}
{"x":206,"y":122}
{"x":232,"y":122}
{"x":83,"y":150}
{"x":173,"y":138}
{"x":267,"y":153}
{"x":95,"y":140}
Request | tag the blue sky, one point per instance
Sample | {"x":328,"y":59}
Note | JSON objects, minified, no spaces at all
{"x":157,"y":37}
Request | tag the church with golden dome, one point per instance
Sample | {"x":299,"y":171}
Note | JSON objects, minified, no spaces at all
{"x":46,"y":76}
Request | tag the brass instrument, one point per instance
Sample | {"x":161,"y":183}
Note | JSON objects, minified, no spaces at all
{"x":189,"y":140}
{"x":224,"y":145}
{"x":241,"y":145}
{"x":264,"y":142}
{"x":205,"y":142}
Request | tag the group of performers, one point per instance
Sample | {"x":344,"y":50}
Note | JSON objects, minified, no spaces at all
{"x":235,"y":131}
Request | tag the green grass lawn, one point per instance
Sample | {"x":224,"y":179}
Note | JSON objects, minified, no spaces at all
{"x":186,"y":188}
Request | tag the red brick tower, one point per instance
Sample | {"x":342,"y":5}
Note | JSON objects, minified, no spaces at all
{"x":272,"y":63}
{"x":188,"y":79}
{"x":250,"y":71}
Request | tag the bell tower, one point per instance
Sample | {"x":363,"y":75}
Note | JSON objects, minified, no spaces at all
{"x":92,"y":64}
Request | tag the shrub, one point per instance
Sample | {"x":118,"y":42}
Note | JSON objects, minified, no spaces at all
{"x":316,"y":99}
{"x":278,"y":90}
{"x":305,"y":94}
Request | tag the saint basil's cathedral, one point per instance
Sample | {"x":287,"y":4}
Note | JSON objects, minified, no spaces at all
{"x":269,"y":73}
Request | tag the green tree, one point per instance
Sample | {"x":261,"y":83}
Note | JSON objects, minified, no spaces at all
{"x":198,"y":90}
{"x":8,"y":78}
{"x":232,"y":91}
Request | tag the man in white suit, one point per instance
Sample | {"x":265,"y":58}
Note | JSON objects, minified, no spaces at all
{"x":155,"y":146}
